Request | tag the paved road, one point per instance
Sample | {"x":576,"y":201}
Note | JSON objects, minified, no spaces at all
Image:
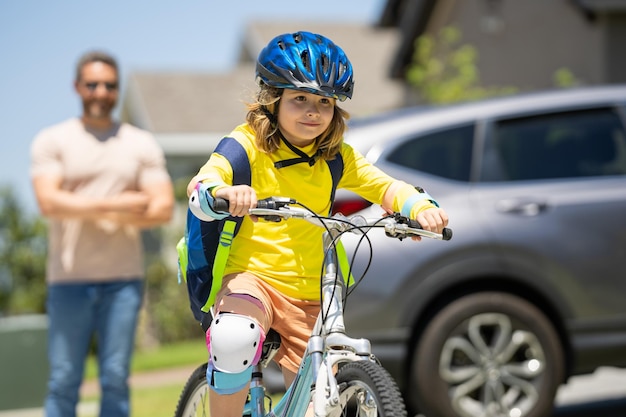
{"x":602,"y":394}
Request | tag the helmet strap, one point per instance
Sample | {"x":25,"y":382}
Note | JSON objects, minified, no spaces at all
{"x":302,"y":157}
{"x":270,"y":116}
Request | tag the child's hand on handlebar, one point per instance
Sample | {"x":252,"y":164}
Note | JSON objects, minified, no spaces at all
{"x":241,"y":198}
{"x":433,"y":219}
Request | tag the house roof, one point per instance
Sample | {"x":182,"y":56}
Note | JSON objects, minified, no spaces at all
{"x":411,"y":18}
{"x":191,"y":106}
{"x":600,"y":6}
{"x":167,"y":102}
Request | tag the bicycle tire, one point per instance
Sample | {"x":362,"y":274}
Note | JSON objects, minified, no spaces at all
{"x":194,"y":399}
{"x":364,"y":380}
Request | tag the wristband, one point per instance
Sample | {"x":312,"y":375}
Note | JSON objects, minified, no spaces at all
{"x":201,"y":203}
{"x":418,"y":198}
{"x":207,"y":199}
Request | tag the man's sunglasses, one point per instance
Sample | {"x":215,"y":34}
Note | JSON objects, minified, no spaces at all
{"x":92,"y":86}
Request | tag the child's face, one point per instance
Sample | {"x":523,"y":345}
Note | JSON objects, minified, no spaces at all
{"x":304,"y":116}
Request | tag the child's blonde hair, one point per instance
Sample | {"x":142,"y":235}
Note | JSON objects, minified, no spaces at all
{"x":262,"y":118}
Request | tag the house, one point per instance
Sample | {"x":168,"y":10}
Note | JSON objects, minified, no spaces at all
{"x":520,"y":43}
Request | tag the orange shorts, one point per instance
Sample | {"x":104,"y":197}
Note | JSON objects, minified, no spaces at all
{"x":291,"y":318}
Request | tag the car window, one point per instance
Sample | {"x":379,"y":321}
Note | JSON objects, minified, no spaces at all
{"x":445,"y":153}
{"x":564,"y":145}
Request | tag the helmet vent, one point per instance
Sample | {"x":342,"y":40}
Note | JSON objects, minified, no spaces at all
{"x":325,"y":63}
{"x":281,"y":45}
{"x":341,"y":70}
{"x":297,"y":37}
{"x":305,"y":60}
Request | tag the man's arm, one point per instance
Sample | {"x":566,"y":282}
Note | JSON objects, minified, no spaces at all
{"x":160,"y":195}
{"x":55,"y":202}
{"x":144,"y":209}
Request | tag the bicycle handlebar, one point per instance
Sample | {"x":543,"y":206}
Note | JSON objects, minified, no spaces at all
{"x":279,"y":208}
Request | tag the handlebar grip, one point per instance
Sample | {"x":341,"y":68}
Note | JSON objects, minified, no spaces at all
{"x":266,"y":204}
{"x":446,"y":233}
{"x":220,"y":205}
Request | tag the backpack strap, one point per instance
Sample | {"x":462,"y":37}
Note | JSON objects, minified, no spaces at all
{"x":204,"y":251}
{"x":336,"y":171}
{"x":228,"y":228}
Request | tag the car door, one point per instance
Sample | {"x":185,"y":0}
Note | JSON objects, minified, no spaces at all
{"x":552,"y":191}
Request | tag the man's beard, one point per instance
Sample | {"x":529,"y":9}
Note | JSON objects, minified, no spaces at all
{"x":98,"y":109}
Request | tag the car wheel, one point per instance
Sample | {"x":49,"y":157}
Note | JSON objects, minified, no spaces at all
{"x":487,"y":354}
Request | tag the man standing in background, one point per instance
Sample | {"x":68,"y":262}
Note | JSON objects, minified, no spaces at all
{"x":99,"y":182}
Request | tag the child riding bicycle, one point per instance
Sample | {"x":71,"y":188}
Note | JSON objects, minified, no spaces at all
{"x":271,"y":277}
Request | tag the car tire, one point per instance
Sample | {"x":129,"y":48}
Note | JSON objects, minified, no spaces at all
{"x":488,"y":353}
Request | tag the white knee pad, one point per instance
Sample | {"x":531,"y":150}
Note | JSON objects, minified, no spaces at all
{"x":235,"y":342}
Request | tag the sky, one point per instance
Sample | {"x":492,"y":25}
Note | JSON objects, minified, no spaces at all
{"x":41,"y":40}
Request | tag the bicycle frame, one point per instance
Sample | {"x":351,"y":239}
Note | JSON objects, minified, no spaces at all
{"x":327,"y":347}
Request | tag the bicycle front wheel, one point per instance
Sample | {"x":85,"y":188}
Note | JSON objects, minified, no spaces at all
{"x":194,"y":400}
{"x":367,"y":389}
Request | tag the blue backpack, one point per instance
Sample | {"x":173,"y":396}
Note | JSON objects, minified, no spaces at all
{"x":203,"y":251}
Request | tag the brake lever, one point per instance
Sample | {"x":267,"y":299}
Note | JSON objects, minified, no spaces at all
{"x":446,"y":233}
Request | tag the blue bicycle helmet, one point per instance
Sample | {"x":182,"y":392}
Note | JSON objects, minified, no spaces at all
{"x":308,"y":62}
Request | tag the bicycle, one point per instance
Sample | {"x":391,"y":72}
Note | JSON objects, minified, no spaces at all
{"x":338,"y":373}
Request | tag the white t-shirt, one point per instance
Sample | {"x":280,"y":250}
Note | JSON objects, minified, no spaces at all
{"x":96,"y":164}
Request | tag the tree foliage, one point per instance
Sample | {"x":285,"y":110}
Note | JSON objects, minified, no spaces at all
{"x":444,"y":70}
{"x":166,"y":316}
{"x":564,"y":78}
{"x":23,"y":247}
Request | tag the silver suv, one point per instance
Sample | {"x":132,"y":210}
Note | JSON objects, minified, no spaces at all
{"x":532,"y":288}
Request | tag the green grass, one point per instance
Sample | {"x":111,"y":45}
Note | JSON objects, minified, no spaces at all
{"x":150,"y":402}
{"x":154,"y":402}
{"x":162,"y":400}
{"x":167,"y":356}
{"x":180,"y":354}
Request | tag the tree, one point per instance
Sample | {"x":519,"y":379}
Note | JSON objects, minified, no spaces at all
{"x":166,"y":315}
{"x":23,"y":247}
{"x":444,"y":71}
{"x":564,"y":78}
